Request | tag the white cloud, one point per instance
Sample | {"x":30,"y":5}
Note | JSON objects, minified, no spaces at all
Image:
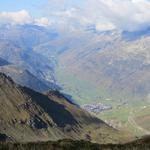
{"x":104,"y":26}
{"x":22,"y":17}
{"x":42,"y":21}
{"x":128,"y":15}
{"x":123,"y":14}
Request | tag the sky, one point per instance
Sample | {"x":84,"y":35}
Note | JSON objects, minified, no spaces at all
{"x":130,"y":15}
{"x":33,"y":6}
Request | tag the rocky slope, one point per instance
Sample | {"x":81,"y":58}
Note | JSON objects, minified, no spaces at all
{"x":25,"y":78}
{"x":26,"y":115}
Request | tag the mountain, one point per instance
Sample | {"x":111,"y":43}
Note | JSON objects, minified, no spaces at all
{"x":25,"y":78}
{"x":111,"y":68}
{"x":19,"y":34}
{"x":3,"y":62}
{"x":108,"y":68}
{"x":16,"y":46}
{"x":99,"y":64}
{"x":26,"y":115}
{"x":107,"y":64}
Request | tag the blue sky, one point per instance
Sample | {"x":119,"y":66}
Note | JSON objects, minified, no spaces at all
{"x":38,"y":8}
{"x":35,"y":7}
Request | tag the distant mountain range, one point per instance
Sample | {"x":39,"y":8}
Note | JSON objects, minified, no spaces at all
{"x":26,"y":66}
{"x":24,"y":77}
{"x":75,"y":75}
{"x":89,"y":67}
{"x":113,"y":65}
{"x":3,"y":62}
{"x":106,"y":62}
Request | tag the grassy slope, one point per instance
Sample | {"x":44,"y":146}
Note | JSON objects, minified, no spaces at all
{"x":81,"y":90}
{"x":125,"y":116}
{"x":58,"y":117}
{"x":143,"y":117}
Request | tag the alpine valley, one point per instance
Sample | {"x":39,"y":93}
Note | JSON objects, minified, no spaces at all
{"x":56,"y":85}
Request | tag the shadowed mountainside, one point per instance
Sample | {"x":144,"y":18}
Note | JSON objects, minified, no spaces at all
{"x":3,"y":62}
{"x":26,"y":115}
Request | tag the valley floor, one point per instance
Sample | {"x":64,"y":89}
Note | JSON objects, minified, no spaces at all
{"x":133,"y":119}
